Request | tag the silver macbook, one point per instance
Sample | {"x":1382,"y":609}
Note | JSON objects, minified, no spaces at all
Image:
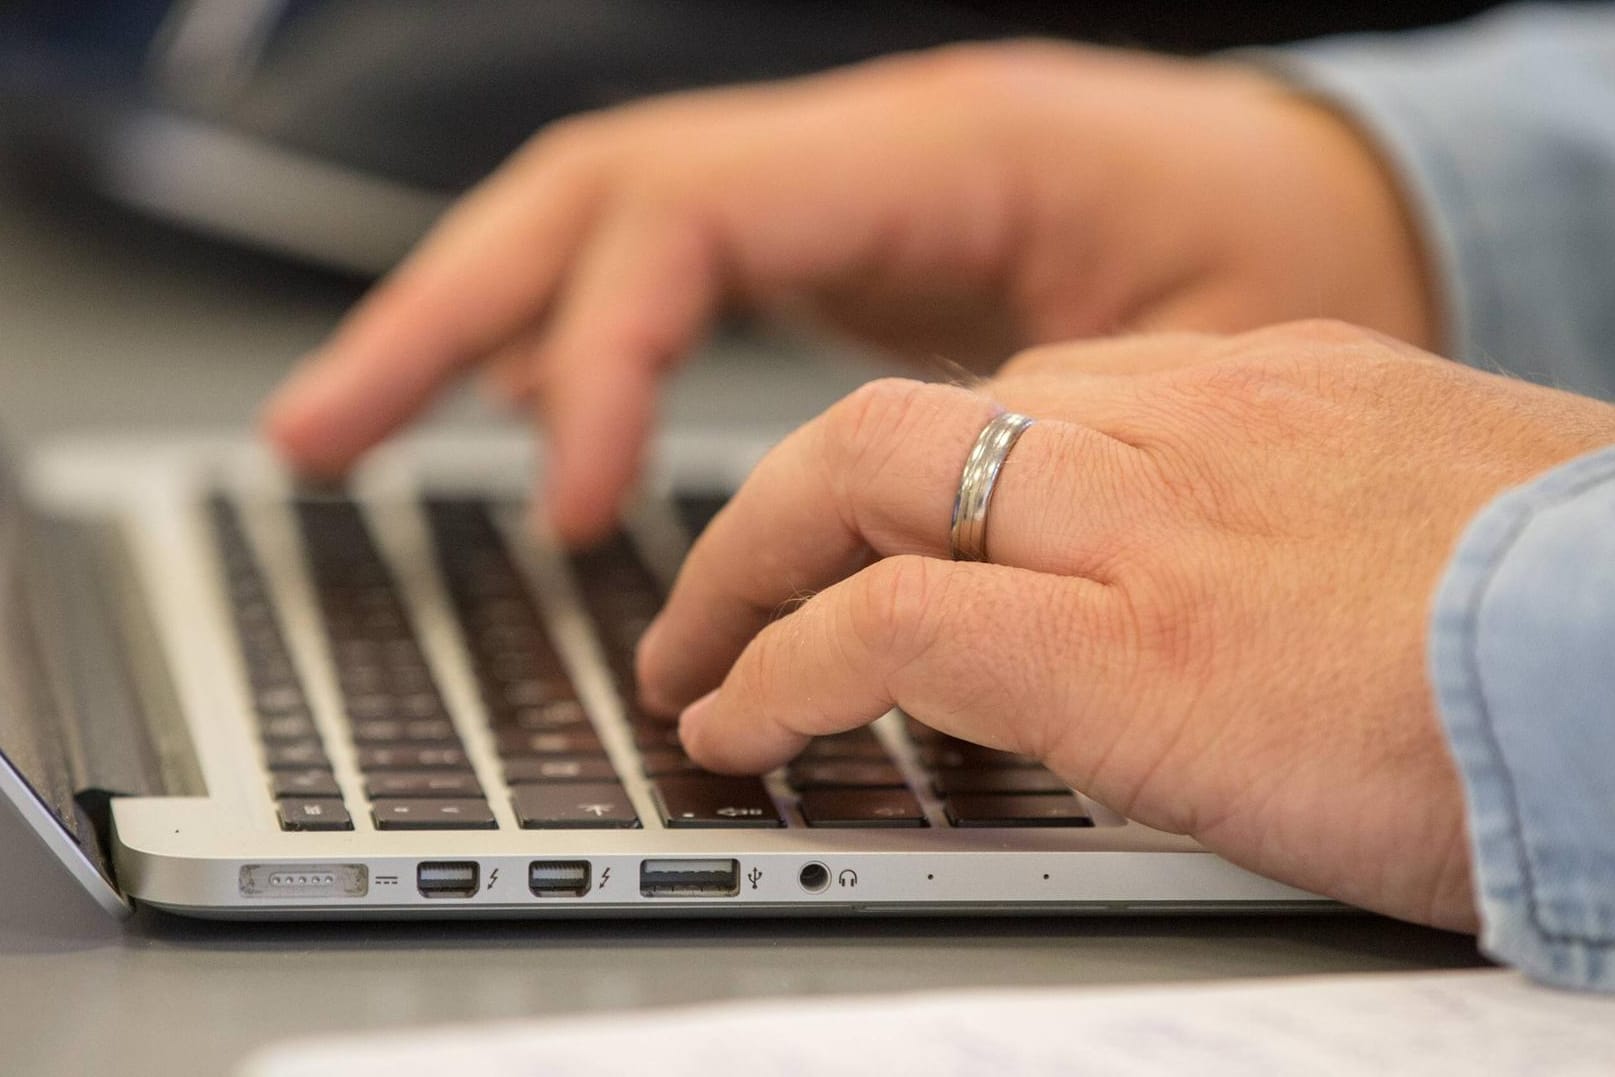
{"x":225,"y":696}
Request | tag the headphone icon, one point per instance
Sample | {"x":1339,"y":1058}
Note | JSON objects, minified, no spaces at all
{"x":847,"y":878}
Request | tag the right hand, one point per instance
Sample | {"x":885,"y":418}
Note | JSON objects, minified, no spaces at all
{"x":969,"y":202}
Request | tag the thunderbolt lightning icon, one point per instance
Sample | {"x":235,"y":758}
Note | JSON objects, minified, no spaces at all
{"x":604,"y":875}
{"x":493,"y":877}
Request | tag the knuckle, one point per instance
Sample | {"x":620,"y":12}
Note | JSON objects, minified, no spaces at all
{"x":1255,"y":386}
{"x":1306,"y":354}
{"x":1170,"y":617}
{"x":894,"y":605}
{"x":1245,"y":384}
{"x":864,"y":427}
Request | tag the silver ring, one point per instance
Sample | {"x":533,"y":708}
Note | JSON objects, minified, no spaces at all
{"x":968,"y":538}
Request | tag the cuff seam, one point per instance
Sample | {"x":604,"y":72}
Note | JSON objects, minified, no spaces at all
{"x":1469,"y":629}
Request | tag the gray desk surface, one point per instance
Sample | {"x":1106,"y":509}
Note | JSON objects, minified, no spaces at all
{"x":105,"y":326}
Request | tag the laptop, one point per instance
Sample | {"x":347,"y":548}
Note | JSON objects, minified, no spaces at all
{"x":223,"y":695}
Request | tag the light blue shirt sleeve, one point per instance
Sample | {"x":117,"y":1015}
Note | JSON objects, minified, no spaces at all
{"x":1502,"y":133}
{"x":1522,"y":657}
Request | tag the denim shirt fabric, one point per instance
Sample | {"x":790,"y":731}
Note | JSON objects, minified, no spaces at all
{"x":1502,"y":134}
{"x":1522,"y":656}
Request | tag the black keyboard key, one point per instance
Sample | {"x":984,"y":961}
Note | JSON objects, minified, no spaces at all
{"x":291,"y":742}
{"x":658,"y":762}
{"x":652,"y":735}
{"x":622,"y":596}
{"x":528,"y":692}
{"x":574,"y":806}
{"x":710,"y":800}
{"x":272,"y":671}
{"x":519,"y":742}
{"x":420,"y":705}
{"x":407,"y":757}
{"x":860,"y":745}
{"x":401,"y":784}
{"x":861,"y":808}
{"x":381,"y":668}
{"x":432,"y":814}
{"x":842,"y":773}
{"x":287,"y":727}
{"x":320,"y":813}
{"x":985,"y":810}
{"x":377,"y":679}
{"x":515,"y":665}
{"x":561,"y":715}
{"x":371,"y":706}
{"x":560,"y":768}
{"x":920,"y":733}
{"x":296,"y":755}
{"x":418,"y":731}
{"x":949,"y":781}
{"x":505,"y":638}
{"x":283,"y":699}
{"x":304,"y":783}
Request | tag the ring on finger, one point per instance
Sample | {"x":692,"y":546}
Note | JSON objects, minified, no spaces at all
{"x":967,"y":539}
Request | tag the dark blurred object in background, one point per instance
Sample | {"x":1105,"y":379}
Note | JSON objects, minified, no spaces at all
{"x":334,"y":130}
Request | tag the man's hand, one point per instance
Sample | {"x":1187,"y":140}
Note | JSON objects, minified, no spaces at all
{"x":1213,"y":562}
{"x":966,"y":202}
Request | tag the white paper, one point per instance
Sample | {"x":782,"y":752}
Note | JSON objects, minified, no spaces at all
{"x":1383,"y":1025}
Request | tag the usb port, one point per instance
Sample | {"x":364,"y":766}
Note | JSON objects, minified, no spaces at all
{"x":689,"y":878}
{"x":447,"y":878}
{"x":558,"y":878}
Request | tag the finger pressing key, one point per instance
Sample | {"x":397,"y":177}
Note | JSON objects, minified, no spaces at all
{"x":925,"y":635}
{"x":877,"y":474}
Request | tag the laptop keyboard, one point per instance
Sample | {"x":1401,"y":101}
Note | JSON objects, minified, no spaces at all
{"x":558,"y":770}
{"x":306,"y":793}
{"x":399,"y":724}
{"x":416,"y":771}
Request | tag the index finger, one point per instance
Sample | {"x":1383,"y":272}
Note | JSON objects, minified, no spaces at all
{"x":484,"y":274}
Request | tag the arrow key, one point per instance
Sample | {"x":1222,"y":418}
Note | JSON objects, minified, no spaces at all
{"x":861,"y":808}
{"x":710,"y":800}
{"x":574,"y":806}
{"x":443,"y":814}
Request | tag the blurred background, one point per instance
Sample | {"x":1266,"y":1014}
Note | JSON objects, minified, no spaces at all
{"x":331,"y":132}
{"x":192,"y":193}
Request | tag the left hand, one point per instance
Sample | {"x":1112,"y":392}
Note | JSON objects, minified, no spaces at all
{"x":1213,"y":562}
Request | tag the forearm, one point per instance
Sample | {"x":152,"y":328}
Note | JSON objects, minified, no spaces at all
{"x":1502,"y":134}
{"x":1523,"y":662}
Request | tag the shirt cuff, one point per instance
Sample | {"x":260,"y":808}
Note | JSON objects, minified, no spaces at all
{"x":1522,"y":659}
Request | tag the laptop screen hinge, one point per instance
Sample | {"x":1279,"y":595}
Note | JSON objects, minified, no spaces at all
{"x":123,"y":730}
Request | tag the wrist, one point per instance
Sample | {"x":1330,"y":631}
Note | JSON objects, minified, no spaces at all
{"x":1396,"y":287}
